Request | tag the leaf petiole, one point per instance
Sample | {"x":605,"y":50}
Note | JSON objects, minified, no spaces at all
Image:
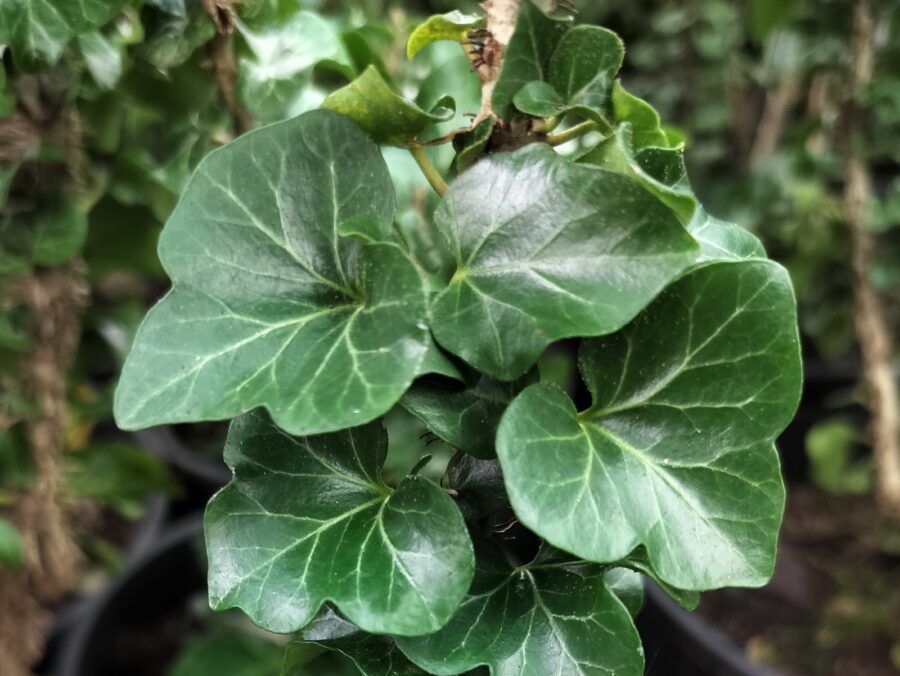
{"x":431,"y":173}
{"x":572,"y":133}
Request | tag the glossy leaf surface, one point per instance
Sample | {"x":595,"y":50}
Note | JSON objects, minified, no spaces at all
{"x":544,"y":618}
{"x":309,"y":520}
{"x":676,"y":452}
{"x":271,"y":305}
{"x":546,"y":249}
{"x":466,"y":417}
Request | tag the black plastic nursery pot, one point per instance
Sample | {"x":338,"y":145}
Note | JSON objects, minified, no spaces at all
{"x":682,"y":643}
{"x":143,"y":538}
{"x":136,"y":626}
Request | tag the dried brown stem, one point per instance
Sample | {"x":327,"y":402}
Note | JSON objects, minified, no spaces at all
{"x":500,"y":21}
{"x":221,"y":54}
{"x":871,"y":327}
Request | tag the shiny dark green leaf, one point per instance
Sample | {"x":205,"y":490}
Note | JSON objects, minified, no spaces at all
{"x":228,"y":651}
{"x":546,"y":249}
{"x":553,"y":617}
{"x":465,"y":416}
{"x":309,"y":520}
{"x":271,"y":306}
{"x":676,"y":453}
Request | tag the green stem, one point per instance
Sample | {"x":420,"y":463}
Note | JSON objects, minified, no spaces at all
{"x":431,"y":173}
{"x":572,"y":133}
{"x":550,"y":124}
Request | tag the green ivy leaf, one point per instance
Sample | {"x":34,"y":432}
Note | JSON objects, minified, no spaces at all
{"x":638,"y":561}
{"x":477,"y":484}
{"x":450,"y":26}
{"x":174,"y":33}
{"x":583,"y":68}
{"x":546,"y":249}
{"x":659,"y":170}
{"x":721,"y":240}
{"x":470,"y":145}
{"x":38,"y":30}
{"x":646,"y":129}
{"x":539,"y":99}
{"x":385,"y":116}
{"x":549,"y":617}
{"x":271,"y":306}
{"x":372,"y":655}
{"x":276,"y":65}
{"x":309,"y":520}
{"x":465,"y":416}
{"x":676,"y":452}
{"x":527,"y":57}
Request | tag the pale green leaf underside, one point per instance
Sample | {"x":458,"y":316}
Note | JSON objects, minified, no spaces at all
{"x":547,"y":249}
{"x":676,"y":453}
{"x":450,"y":26}
{"x":308,"y":520}
{"x":271,"y":306}
{"x":38,"y":30}
{"x":539,"y":619}
{"x":385,"y":116}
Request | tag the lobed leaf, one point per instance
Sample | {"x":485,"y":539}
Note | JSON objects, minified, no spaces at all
{"x":549,"y":617}
{"x":676,"y":453}
{"x":307,"y":521}
{"x":546,"y":249}
{"x":271,"y":305}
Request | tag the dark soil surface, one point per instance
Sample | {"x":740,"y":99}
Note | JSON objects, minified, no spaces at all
{"x":833,"y":606}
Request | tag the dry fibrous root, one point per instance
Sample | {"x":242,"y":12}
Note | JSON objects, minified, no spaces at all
{"x":222,"y":13}
{"x":54,"y":299}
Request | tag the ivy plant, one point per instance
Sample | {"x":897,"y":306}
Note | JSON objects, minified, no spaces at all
{"x":301,"y":308}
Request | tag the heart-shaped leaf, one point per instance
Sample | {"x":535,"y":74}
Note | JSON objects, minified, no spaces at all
{"x":676,"y":452}
{"x":527,"y":56}
{"x":309,"y":520}
{"x":546,"y":249}
{"x":386,"y":117}
{"x":450,"y":26}
{"x":38,"y":30}
{"x":549,"y":617}
{"x":271,"y":305}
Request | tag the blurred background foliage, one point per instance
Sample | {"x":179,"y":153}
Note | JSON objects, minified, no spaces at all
{"x":105,"y":113}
